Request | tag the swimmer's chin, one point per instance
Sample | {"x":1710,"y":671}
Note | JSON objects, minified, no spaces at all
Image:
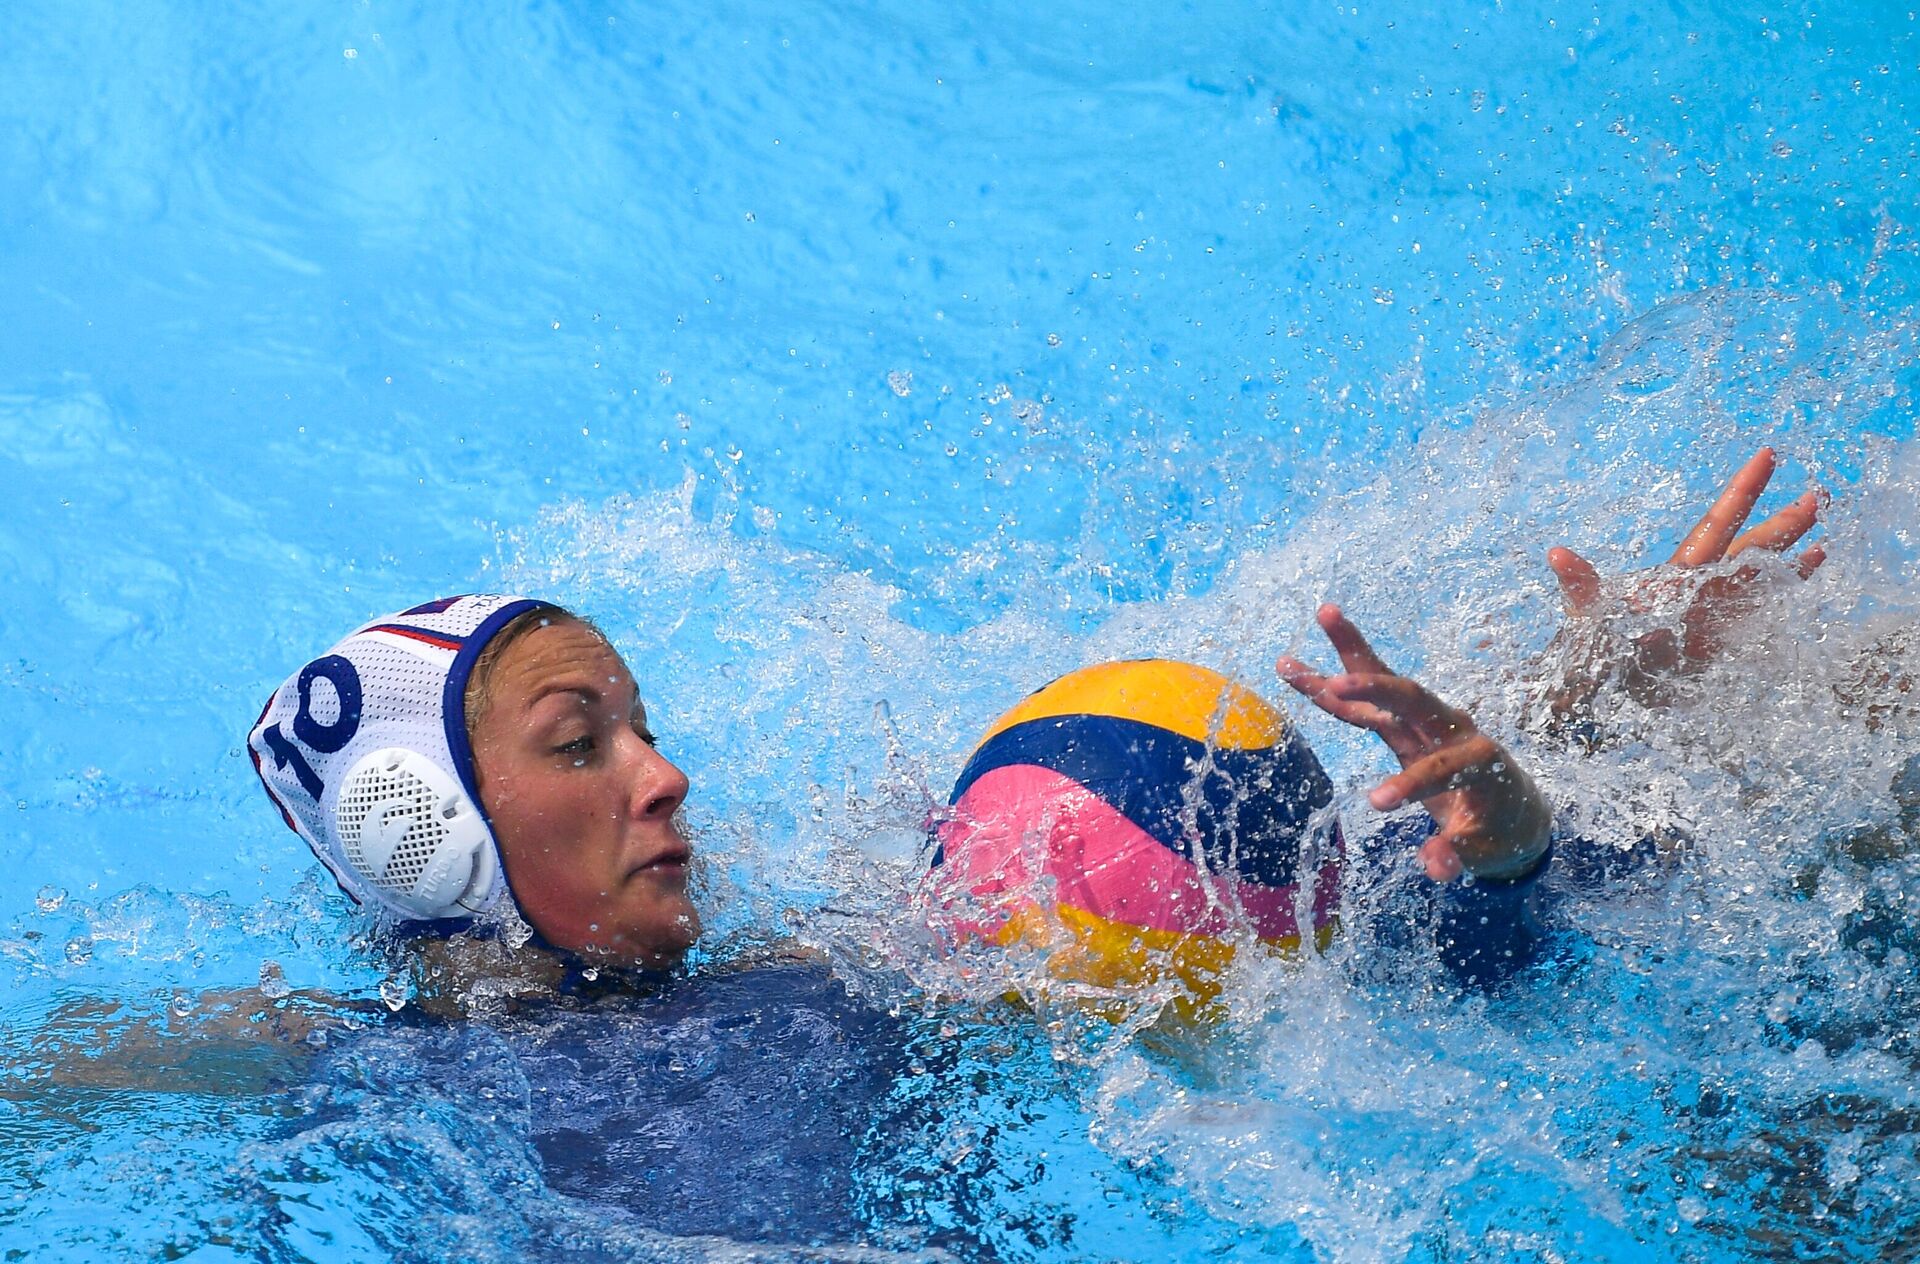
{"x":661,"y":949}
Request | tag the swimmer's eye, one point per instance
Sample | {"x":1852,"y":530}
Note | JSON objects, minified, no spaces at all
{"x":579,"y":748}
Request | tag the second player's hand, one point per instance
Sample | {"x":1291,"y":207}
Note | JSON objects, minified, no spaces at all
{"x":1710,"y":623}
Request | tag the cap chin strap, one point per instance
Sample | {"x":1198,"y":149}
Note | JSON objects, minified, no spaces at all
{"x":413,"y":836}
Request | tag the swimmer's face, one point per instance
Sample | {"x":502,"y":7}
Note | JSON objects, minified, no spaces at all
{"x":582,"y":804}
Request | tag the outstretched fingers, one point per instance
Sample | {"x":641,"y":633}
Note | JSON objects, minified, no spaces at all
{"x":1453,"y":766}
{"x":1355,"y":654}
{"x":1315,"y":688}
{"x":1408,"y":702}
{"x":1579,"y":581}
{"x":1708,"y":540}
{"x":1782,"y":529}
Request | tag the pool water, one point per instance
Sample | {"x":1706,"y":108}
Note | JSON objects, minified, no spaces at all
{"x":860,"y":369}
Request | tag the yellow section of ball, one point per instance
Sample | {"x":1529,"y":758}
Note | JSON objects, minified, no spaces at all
{"x":1088,"y":950}
{"x":1193,"y":701}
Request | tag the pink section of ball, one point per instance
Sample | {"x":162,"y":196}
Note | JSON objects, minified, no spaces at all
{"x":1017,"y":820}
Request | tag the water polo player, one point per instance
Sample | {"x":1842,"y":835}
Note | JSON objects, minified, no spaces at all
{"x":482,"y":758}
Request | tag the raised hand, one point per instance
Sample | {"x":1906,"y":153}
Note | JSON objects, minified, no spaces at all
{"x":1493,"y":822}
{"x":1709,"y":622}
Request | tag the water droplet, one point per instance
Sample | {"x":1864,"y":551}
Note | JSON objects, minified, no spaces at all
{"x":393,"y":994}
{"x":666,"y":378}
{"x":181,"y":1005}
{"x":273,"y":980}
{"x":1054,"y":340}
{"x":901,"y":381}
{"x":79,"y":951}
{"x":50,"y":898}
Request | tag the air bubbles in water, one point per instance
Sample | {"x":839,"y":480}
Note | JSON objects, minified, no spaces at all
{"x":79,"y":950}
{"x":49,"y":898}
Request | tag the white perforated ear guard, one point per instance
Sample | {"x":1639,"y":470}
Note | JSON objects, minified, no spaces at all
{"x":364,"y":750}
{"x":409,"y":829}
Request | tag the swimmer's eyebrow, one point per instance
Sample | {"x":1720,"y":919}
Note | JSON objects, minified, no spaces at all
{"x":587,"y":692}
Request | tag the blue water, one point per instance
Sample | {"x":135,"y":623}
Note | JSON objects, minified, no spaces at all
{"x":897,"y":354}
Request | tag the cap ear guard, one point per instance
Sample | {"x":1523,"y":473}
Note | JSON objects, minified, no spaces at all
{"x":407,"y":829}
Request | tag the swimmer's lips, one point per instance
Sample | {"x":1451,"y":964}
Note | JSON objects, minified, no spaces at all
{"x":671,"y":862}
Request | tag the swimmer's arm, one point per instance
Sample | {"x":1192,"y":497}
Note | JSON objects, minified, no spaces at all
{"x":229,"y":1043}
{"x":1483,"y":930}
{"x":1491,"y":820}
{"x":1592,"y":653}
{"x":1485,"y":819}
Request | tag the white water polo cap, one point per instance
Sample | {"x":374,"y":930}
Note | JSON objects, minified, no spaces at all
{"x":364,"y":751}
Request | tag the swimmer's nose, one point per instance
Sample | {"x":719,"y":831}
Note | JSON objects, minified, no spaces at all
{"x":660,"y":789}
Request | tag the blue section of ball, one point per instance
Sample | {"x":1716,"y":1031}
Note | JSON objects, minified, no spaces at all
{"x":1242,"y":810}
